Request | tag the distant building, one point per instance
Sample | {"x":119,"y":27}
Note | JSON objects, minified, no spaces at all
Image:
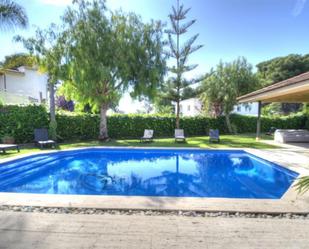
{"x":190,"y":107}
{"x":250,"y":109}
{"x":23,"y":86}
{"x":193,"y":107}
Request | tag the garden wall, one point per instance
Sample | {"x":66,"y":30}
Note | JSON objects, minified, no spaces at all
{"x":21,"y":121}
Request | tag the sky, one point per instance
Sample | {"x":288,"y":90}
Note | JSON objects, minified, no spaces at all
{"x":256,"y":29}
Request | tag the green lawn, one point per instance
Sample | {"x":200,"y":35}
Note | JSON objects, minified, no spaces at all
{"x":227,"y":141}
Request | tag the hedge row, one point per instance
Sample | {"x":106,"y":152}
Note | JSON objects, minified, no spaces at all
{"x":21,"y":121}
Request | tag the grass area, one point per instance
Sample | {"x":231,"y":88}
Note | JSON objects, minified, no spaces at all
{"x":227,"y":141}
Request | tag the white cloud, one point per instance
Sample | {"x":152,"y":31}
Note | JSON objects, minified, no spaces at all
{"x":298,"y":7}
{"x":56,"y":2}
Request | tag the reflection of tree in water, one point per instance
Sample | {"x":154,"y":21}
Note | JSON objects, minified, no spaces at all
{"x":169,"y":183}
{"x":217,"y":173}
{"x":173,"y":183}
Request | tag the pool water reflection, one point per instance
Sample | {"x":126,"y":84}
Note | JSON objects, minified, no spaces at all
{"x":147,"y":172}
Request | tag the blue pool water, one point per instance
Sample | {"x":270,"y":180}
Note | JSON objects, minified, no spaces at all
{"x":147,"y":172}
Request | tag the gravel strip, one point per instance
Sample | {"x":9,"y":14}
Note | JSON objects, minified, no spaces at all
{"x":91,"y":211}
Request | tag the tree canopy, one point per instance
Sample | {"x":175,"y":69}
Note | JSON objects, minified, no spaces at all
{"x":224,"y":84}
{"x":16,"y":60}
{"x":12,"y":15}
{"x":47,"y":47}
{"x":281,"y":68}
{"x":177,"y":85}
{"x":109,"y":53}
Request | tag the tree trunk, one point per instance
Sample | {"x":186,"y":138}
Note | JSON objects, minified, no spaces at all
{"x":177,"y":115}
{"x":52,"y":112}
{"x":103,"y":123}
{"x":228,"y":123}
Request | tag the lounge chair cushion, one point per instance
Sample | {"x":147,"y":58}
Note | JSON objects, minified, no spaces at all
{"x":5,"y":147}
{"x":46,"y":142}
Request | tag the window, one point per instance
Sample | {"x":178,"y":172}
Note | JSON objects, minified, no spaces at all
{"x":188,"y":108}
{"x":238,"y":108}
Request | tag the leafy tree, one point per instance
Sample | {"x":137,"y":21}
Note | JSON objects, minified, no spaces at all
{"x":282,"y":68}
{"x":16,"y":60}
{"x":224,"y":84}
{"x":177,"y":85}
{"x":12,"y":15}
{"x":46,"y":46}
{"x":110,"y":53}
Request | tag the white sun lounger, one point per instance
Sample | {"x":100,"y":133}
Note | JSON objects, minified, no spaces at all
{"x":179,"y":135}
{"x":5,"y":147}
{"x":148,"y":136}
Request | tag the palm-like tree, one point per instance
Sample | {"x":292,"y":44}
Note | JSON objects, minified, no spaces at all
{"x":12,"y":15}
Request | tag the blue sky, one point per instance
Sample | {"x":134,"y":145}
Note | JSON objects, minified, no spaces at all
{"x":256,"y":29}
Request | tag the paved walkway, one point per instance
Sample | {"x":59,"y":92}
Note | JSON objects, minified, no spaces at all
{"x":39,"y":230}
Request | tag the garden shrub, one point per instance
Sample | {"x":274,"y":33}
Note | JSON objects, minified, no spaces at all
{"x":20,"y":122}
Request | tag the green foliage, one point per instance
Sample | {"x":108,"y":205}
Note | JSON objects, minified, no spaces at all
{"x":282,"y":68}
{"x":177,"y":87}
{"x":164,"y":109}
{"x":85,"y":126}
{"x":227,"y":82}
{"x":12,"y":15}
{"x":16,"y":60}
{"x":271,"y":109}
{"x":303,"y":184}
{"x":110,"y":53}
{"x":20,"y":122}
{"x":78,"y":126}
{"x":47,"y":48}
{"x":223,"y":85}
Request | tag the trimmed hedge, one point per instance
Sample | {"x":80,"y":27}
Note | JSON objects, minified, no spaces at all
{"x":21,"y":121}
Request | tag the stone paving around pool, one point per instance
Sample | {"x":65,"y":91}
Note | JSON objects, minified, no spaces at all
{"x":39,"y":230}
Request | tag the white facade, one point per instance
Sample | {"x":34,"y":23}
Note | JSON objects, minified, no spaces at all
{"x":23,"y":86}
{"x":250,"y":109}
{"x":193,"y":107}
{"x":190,"y":107}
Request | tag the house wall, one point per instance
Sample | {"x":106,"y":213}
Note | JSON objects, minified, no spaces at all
{"x":193,"y":107}
{"x":190,"y":107}
{"x":247,"y":109}
{"x":1,"y":82}
{"x":31,"y":85}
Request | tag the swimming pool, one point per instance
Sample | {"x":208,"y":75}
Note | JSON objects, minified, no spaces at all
{"x":147,"y":172}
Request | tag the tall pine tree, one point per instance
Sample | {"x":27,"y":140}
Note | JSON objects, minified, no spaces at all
{"x":177,"y":85}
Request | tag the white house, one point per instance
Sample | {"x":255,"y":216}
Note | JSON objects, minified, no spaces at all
{"x":193,"y":107}
{"x":23,"y":86}
{"x":250,"y":109}
{"x":190,"y":107}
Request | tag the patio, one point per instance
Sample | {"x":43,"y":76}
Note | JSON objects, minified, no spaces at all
{"x":40,"y":230}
